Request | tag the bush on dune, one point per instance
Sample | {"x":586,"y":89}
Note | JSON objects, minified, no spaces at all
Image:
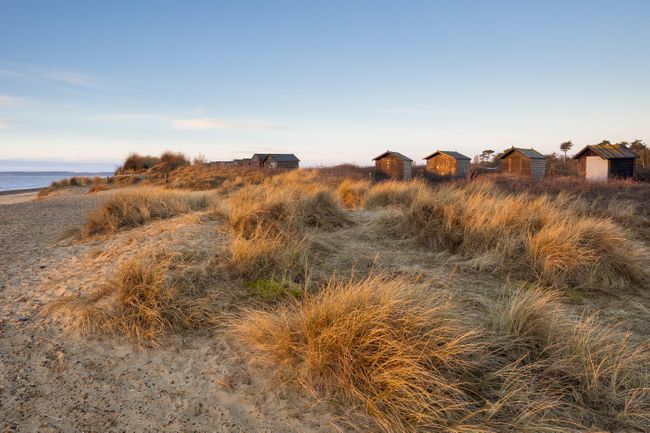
{"x":135,"y":207}
{"x":353,"y":193}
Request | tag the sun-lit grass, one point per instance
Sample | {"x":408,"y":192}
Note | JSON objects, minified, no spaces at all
{"x":137,"y":206}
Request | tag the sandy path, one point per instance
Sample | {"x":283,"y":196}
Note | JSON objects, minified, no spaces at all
{"x":52,"y":381}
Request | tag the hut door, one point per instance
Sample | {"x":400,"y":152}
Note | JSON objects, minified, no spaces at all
{"x":597,"y":168}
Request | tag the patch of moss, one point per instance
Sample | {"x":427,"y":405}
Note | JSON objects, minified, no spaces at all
{"x":271,"y":290}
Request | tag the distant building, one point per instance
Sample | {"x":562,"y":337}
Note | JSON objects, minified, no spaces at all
{"x":393,"y":165}
{"x":522,"y":162}
{"x":447,"y":164}
{"x":275,"y":160}
{"x":604,"y":161}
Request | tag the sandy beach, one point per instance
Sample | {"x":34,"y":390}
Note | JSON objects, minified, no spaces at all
{"x":54,"y":381}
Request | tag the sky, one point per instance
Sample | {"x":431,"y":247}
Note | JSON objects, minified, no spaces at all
{"x":83,"y":84}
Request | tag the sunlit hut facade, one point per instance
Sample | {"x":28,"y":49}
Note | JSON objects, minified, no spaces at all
{"x":393,"y":165}
{"x":517,"y":161}
{"x":443,"y":164}
{"x":604,"y":161}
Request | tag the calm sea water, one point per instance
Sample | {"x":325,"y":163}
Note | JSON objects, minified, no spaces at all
{"x":25,"y":180}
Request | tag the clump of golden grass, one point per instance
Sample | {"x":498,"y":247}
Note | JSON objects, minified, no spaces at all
{"x":282,"y":205}
{"x":595,"y":369}
{"x":142,"y":300}
{"x":135,"y":207}
{"x":135,"y":162}
{"x":376,"y":344}
{"x":395,"y":193}
{"x":353,"y":193}
{"x":538,"y":237}
{"x":267,"y":255}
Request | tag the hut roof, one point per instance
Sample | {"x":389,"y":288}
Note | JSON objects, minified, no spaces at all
{"x":283,"y":157}
{"x":451,"y":153}
{"x":528,"y":153}
{"x":609,"y":151}
{"x":279,"y":157}
{"x":390,"y":152}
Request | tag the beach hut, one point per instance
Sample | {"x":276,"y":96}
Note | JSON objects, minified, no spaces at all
{"x":604,"y":161}
{"x":393,"y":165}
{"x":281,"y":160}
{"x":517,"y":161}
{"x":447,"y":164}
{"x":275,"y":160}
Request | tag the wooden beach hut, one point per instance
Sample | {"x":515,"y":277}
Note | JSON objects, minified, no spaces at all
{"x":517,"y":161}
{"x":605,"y":161}
{"x":393,"y":165}
{"x":443,"y":164}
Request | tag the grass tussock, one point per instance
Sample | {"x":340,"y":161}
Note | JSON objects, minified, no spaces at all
{"x":147,"y":297}
{"x":596,"y":371}
{"x":410,"y":360}
{"x":373,"y":344}
{"x":353,"y":193}
{"x":536,"y":237}
{"x":135,"y":207}
{"x":395,"y":193}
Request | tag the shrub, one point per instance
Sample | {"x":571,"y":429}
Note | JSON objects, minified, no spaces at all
{"x":136,"y":162}
{"x":135,"y":207}
{"x":173,"y":160}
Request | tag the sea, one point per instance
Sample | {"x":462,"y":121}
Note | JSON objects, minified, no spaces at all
{"x":17,"y":180}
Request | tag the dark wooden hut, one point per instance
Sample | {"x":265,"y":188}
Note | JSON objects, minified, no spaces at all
{"x":274,"y":160}
{"x":522,"y":162}
{"x":604,"y":161}
{"x":447,"y":164}
{"x":281,"y":160}
{"x":393,"y":165}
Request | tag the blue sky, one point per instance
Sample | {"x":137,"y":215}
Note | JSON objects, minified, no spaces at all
{"x":89,"y":82}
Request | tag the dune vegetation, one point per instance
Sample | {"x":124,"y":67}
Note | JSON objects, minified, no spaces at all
{"x":486,"y":322}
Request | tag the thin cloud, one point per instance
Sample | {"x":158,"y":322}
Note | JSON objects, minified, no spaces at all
{"x":5,"y":124}
{"x":70,"y":77}
{"x":213,"y":123}
{"x":405,"y":110}
{"x":130,"y":116}
{"x":10,"y":101}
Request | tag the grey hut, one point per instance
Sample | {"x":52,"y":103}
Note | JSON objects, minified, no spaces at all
{"x":447,"y":164}
{"x":393,"y":165}
{"x":604,"y":161}
{"x":517,"y":161}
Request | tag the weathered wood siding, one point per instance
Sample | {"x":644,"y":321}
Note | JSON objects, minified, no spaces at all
{"x":392,"y":167}
{"x":518,"y":165}
{"x":444,"y":166}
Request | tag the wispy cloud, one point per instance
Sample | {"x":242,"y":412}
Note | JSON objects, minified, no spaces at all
{"x":4,"y":124}
{"x":54,"y":78}
{"x":214,"y":123}
{"x":70,"y":77}
{"x":126,"y":116}
{"x":10,"y":101}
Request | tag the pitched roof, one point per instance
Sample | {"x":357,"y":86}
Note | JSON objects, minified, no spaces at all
{"x":279,"y":157}
{"x":451,"y":153}
{"x":528,"y":153}
{"x":609,"y":151}
{"x":390,"y":152}
{"x":283,"y":157}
